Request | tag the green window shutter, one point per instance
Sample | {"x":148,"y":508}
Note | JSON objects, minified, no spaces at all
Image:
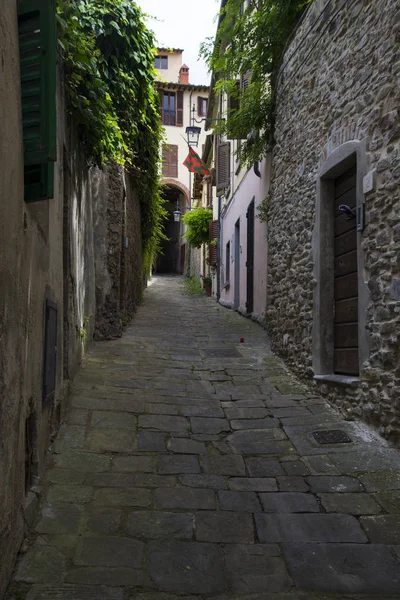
{"x":39,"y":182}
{"x":37,"y":47}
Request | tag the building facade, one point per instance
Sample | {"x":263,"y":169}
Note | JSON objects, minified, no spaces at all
{"x":333,"y":303}
{"x":239,"y":263}
{"x":180,"y":103}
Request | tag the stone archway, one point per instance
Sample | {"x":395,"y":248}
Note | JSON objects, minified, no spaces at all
{"x":171,"y":258}
{"x":180,"y":186}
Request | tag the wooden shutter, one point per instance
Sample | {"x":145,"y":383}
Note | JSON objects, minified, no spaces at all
{"x":197,"y":186}
{"x":245,"y":80}
{"x":165,"y":161}
{"x":233,"y":106}
{"x":170,"y":160}
{"x":39,"y":182}
{"x":209,"y":193}
{"x":213,"y":248}
{"x":37,"y":47}
{"x":173,"y":155}
{"x":179,"y":109}
{"x":201,"y":102}
{"x":160,"y":100}
{"x":223,"y":165}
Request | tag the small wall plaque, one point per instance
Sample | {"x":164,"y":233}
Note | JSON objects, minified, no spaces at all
{"x":369,"y":182}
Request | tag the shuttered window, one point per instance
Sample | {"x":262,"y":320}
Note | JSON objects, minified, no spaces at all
{"x":197,"y":186}
{"x":223,"y":165}
{"x":202,"y":106}
{"x":37,"y":47}
{"x":245,"y":80}
{"x":161,"y":62}
{"x":172,"y":108}
{"x":209,"y":193}
{"x":234,"y":102}
{"x":170,"y":160}
{"x":233,"y":106}
{"x":39,"y":182}
{"x":168,"y":108}
{"x":179,"y":109}
{"x":213,"y":245}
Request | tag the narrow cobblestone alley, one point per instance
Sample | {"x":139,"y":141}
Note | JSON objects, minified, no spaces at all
{"x":188,"y":466}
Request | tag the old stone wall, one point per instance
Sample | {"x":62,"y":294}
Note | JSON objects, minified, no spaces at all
{"x":339,"y":83}
{"x":118,"y":250}
{"x":133,"y":279}
{"x":109,"y":216}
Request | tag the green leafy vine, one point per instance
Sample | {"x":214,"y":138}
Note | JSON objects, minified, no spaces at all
{"x":108,"y":59}
{"x":197,"y":222}
{"x":251,"y":42}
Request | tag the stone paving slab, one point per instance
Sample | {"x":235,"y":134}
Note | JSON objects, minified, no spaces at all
{"x":73,"y":592}
{"x":351,"y":568}
{"x":177,"y":476}
{"x":309,"y":528}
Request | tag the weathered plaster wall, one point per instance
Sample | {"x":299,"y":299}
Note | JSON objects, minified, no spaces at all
{"x":70,"y":250}
{"x":79,"y":254}
{"x":30,"y":272}
{"x":340,"y":82}
{"x":12,"y":295}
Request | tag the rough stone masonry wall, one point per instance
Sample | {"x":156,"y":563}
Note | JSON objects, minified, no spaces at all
{"x":133,"y":279}
{"x":340,"y":81}
{"x":118,"y":249}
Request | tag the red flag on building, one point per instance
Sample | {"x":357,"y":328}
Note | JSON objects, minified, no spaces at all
{"x":194,"y":163}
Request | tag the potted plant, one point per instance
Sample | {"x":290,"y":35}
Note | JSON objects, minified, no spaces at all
{"x":207,"y":283}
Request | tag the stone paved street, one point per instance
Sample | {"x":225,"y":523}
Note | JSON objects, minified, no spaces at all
{"x":187,"y":467}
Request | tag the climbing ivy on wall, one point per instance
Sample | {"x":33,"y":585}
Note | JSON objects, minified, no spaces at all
{"x":250,"y":42}
{"x":109,"y":74}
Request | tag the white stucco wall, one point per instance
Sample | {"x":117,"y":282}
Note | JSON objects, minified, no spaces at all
{"x":235,"y":209}
{"x":177,"y":136}
{"x":174,"y":64}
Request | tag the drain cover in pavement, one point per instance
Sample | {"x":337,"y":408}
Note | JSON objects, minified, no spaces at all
{"x":331,"y":436}
{"x":221,"y":353}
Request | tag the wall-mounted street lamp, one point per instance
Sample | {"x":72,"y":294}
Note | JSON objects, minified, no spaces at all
{"x":193,"y":132}
{"x":177,"y":213}
{"x":193,"y":135}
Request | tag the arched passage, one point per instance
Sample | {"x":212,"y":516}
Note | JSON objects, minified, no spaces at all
{"x":171,"y":258}
{"x":172,"y":183}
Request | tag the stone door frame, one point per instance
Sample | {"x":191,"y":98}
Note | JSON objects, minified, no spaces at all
{"x":340,"y":160}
